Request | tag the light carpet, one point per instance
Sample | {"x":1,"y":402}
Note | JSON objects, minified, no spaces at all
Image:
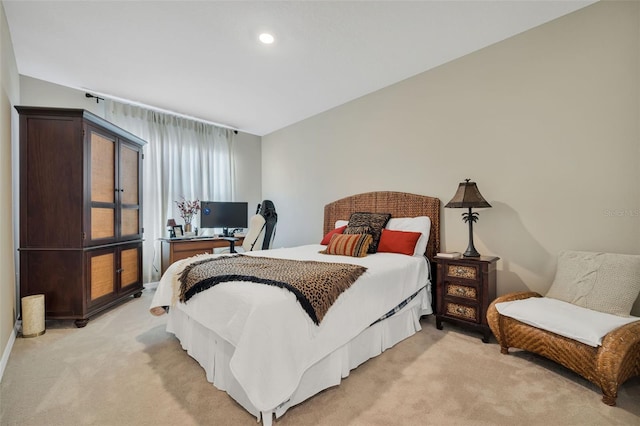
{"x":123,"y":368}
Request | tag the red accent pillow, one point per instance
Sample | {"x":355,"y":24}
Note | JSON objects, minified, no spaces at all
{"x":403,"y":242}
{"x":331,"y":233}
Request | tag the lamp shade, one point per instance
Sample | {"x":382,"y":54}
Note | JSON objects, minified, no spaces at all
{"x":467,"y":196}
{"x":171,"y":222}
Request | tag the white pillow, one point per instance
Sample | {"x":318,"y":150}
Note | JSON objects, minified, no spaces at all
{"x":420,"y":224}
{"x":340,"y":223}
{"x":566,"y":319}
{"x":605,"y":282}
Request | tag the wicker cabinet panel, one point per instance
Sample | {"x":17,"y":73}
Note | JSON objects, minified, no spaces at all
{"x":465,"y":288}
{"x":103,"y":166}
{"x":129,"y":267}
{"x":102,"y":223}
{"x":102,"y":278}
{"x":129,"y":191}
{"x":130,"y":222}
{"x":129,"y":175}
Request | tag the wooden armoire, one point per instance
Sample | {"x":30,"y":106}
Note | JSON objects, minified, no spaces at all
{"x":80,"y":212}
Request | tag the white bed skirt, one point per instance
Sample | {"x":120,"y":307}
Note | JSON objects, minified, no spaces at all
{"x":214,"y":354}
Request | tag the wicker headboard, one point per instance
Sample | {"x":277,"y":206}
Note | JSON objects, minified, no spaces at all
{"x":399,"y":204}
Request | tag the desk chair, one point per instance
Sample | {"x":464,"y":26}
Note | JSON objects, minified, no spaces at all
{"x":262,"y":228}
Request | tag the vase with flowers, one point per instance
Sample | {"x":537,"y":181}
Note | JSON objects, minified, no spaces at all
{"x":188,"y":209}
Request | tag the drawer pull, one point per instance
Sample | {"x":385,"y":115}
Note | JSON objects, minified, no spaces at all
{"x":459,"y":310}
{"x":460,"y":290}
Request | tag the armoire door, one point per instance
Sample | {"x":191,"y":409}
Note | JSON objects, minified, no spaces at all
{"x":102,"y":189}
{"x":129,"y":184}
{"x":130,"y":268}
{"x":101,"y":269}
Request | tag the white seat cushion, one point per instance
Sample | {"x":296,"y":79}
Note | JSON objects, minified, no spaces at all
{"x":575,"y":322}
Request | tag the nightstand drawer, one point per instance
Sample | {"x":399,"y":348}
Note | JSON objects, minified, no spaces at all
{"x":462,"y":271}
{"x":461,"y":290}
{"x":458,"y":310}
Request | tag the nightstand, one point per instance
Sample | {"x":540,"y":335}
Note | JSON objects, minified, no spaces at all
{"x":465,"y":288}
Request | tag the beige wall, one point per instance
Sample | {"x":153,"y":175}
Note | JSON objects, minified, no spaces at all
{"x":9,"y":96}
{"x":545,"y":122}
{"x":248,"y":169}
{"x":35,"y":92}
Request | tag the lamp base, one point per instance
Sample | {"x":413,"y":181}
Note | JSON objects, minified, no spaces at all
{"x":471,"y":250}
{"x":471,"y":253}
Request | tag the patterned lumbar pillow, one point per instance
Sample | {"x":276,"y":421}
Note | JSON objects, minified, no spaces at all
{"x":359,"y":221}
{"x":354,"y":245}
{"x":604,"y":282}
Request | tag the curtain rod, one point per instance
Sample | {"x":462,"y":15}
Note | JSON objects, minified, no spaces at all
{"x":166,"y":111}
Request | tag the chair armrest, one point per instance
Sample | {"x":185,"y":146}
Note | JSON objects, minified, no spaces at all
{"x":493,"y":316}
{"x":232,"y":243}
{"x":622,"y":336}
{"x":619,"y":356}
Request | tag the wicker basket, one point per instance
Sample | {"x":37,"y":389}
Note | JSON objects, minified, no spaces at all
{"x":607,"y":366}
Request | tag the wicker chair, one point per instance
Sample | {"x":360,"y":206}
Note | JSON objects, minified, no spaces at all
{"x":607,"y":366}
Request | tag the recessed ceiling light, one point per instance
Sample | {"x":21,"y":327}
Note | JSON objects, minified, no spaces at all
{"x":266,"y":38}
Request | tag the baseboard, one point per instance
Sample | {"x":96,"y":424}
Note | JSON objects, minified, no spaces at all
{"x":7,"y":350}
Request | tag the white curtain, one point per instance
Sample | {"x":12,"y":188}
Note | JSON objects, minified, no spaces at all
{"x":183,"y":158}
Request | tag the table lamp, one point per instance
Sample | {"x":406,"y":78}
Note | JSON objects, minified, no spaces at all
{"x":468,"y":196}
{"x":170,"y":224}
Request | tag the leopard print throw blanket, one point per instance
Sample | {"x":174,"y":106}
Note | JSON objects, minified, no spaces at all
{"x":316,"y":285}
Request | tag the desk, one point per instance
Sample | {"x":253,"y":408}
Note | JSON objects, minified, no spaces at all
{"x":174,"y":249}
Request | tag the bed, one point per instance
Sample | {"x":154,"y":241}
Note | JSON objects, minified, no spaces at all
{"x":256,"y":343}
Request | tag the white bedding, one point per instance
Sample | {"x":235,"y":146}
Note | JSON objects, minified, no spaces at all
{"x":274,"y":339}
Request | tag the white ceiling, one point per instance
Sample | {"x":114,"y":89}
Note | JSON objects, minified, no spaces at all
{"x":202,"y":59}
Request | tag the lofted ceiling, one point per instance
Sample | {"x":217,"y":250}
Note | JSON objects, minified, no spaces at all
{"x":203,"y":58}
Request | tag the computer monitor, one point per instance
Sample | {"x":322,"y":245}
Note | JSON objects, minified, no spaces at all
{"x":223,"y":214}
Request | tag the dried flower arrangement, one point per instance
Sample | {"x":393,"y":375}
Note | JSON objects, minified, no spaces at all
{"x":188,"y":209}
